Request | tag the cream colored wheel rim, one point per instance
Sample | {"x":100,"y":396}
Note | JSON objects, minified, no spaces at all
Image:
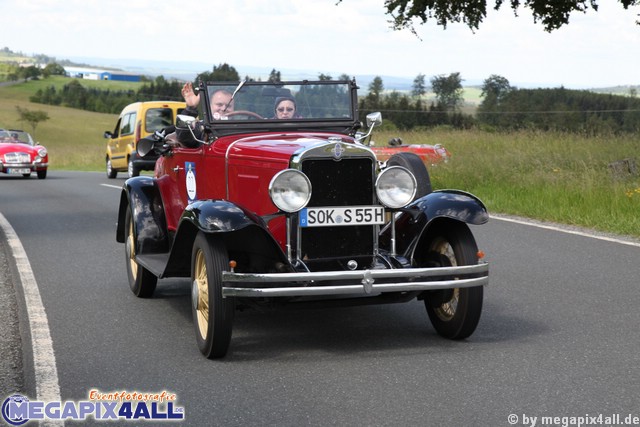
{"x":447,"y":310}
{"x":133,"y":265}
{"x":202,"y":305}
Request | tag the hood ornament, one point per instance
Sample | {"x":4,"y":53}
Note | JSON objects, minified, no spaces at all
{"x":338,"y":150}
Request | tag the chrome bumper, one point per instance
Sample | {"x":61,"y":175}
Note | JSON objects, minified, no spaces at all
{"x":355,"y":282}
{"x":32,"y":165}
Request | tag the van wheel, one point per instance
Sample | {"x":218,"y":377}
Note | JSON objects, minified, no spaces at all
{"x":131,"y":169}
{"x":111,"y":172}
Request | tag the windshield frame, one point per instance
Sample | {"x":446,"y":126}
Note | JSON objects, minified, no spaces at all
{"x":347,"y":122}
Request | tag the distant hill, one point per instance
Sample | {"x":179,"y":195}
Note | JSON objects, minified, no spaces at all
{"x":186,"y":70}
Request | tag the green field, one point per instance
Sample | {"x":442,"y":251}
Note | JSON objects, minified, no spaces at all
{"x":564,"y":178}
{"x":73,"y":137}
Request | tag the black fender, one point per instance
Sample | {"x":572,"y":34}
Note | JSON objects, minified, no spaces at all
{"x":142,"y":195}
{"x":421,"y":214}
{"x":246,"y":236}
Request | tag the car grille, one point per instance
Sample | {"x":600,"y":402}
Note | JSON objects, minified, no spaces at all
{"x":17,"y":158}
{"x":349,"y":182}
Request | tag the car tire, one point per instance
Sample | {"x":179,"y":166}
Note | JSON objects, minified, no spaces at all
{"x":416,"y":166}
{"x":141,"y":281}
{"x":132,"y":170}
{"x":212,"y":314}
{"x":42,"y":174}
{"x":111,"y":172}
{"x":454,"y":313}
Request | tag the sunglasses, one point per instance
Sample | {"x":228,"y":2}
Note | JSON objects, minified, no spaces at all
{"x":283,"y":109}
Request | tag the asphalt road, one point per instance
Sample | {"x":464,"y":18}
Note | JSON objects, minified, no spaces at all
{"x":558,"y":337}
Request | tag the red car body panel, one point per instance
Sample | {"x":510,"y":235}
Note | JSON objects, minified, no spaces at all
{"x":430,"y":154}
{"x":243,"y":169}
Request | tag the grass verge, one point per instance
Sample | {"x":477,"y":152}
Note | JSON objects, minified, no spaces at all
{"x":557,"y":177}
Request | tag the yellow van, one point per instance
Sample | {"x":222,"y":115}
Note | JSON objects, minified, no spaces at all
{"x":137,"y":121}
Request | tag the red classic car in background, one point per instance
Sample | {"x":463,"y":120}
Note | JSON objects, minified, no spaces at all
{"x":429,"y":154}
{"x":20,"y":154}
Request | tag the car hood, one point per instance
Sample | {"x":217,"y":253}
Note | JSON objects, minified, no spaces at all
{"x":279,"y":147}
{"x":16,"y":147}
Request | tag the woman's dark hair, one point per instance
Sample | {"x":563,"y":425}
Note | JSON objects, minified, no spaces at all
{"x":284,"y":98}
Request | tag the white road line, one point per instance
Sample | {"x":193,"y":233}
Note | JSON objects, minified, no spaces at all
{"x":112,"y":186}
{"x":565,"y":230}
{"x":44,"y":360}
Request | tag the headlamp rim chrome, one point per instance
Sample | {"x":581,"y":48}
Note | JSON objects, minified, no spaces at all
{"x":273,"y":183}
{"x":385,"y":201}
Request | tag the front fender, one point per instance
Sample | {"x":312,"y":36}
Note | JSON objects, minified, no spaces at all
{"x":212,"y":216}
{"x":415,"y":218}
{"x":142,"y":195}
{"x":244,"y":233}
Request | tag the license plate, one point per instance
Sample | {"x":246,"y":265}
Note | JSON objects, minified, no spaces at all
{"x":18,"y":170}
{"x":337,"y":216}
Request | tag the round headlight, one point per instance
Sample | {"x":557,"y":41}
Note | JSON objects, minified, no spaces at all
{"x":396,"y":187}
{"x":42,"y":152}
{"x":290,"y":190}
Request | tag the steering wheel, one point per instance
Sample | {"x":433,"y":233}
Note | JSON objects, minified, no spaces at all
{"x":245,"y":113}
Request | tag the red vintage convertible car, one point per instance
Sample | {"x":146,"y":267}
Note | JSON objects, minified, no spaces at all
{"x":20,"y":154}
{"x":274,"y":199}
{"x":429,"y":154}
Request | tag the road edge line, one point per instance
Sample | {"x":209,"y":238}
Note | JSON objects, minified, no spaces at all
{"x":44,"y":360}
{"x":564,"y":230}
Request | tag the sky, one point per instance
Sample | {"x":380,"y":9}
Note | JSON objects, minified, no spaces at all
{"x":597,"y":49}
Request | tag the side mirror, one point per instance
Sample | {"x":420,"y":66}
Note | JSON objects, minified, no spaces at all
{"x":374,"y":119}
{"x":183,"y":121}
{"x":108,"y":134}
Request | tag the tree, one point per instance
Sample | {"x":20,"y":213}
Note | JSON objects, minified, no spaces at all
{"x":30,"y":72}
{"x":274,"y":76}
{"x":448,"y":91}
{"x":31,"y":117}
{"x":552,"y":15}
{"x":376,"y":87}
{"x":494,"y":89}
{"x":221,"y":73}
{"x":53,"y":69}
{"x":375,"y":91}
{"x":418,"y":88}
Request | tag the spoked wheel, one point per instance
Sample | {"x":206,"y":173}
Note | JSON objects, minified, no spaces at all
{"x":454,"y":313}
{"x":212,"y":314}
{"x":141,"y":281}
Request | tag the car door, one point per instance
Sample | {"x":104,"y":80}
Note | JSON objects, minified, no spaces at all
{"x":182,"y":181}
{"x":125,"y":137}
